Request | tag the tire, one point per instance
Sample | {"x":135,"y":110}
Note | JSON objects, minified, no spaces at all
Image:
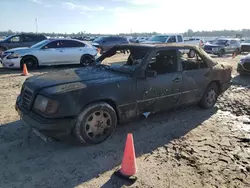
{"x":210,"y":96}
{"x":95,"y":123}
{"x":30,"y":61}
{"x":221,"y":53}
{"x":238,"y":51}
{"x":86,"y":60}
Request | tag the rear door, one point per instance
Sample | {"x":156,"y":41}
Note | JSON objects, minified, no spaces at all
{"x":71,"y":51}
{"x":28,"y":40}
{"x":196,"y":77}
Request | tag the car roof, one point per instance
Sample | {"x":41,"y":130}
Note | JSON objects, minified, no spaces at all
{"x":172,"y":45}
{"x":227,"y":39}
{"x":55,"y":39}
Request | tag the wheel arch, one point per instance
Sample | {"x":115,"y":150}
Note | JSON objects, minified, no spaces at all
{"x":111,"y":102}
{"x":29,"y":55}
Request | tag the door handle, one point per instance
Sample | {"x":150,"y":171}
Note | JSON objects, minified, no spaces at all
{"x":176,"y":80}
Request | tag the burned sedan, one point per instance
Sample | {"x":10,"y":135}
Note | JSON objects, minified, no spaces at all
{"x":125,"y":82}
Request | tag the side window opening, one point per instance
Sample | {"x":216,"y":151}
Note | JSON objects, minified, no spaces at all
{"x":180,"y":39}
{"x":191,"y":60}
{"x":172,"y":39}
{"x":164,"y":62}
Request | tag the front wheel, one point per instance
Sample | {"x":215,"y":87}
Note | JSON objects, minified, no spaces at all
{"x":210,"y":96}
{"x":221,"y":53}
{"x":86,"y":60}
{"x":31,"y":62}
{"x":96,"y":123}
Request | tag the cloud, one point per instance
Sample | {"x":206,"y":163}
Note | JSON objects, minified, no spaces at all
{"x":80,"y":7}
{"x":40,"y":2}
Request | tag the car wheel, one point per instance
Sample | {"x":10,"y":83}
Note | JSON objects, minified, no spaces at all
{"x":238,"y":51}
{"x":221,"y":53}
{"x":95,"y":123}
{"x":30,"y":61}
{"x":86,"y":60}
{"x":210,"y":96}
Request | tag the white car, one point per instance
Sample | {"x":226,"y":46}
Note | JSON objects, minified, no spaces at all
{"x":50,"y":52}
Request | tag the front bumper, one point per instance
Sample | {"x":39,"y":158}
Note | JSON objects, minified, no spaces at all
{"x":48,"y":127}
{"x":11,"y":63}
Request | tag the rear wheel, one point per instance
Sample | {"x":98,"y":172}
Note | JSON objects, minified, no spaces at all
{"x":96,"y":123}
{"x":30,"y":61}
{"x":86,"y":60}
{"x":210,"y":96}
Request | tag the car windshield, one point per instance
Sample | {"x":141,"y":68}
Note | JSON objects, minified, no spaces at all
{"x":40,"y":44}
{"x":122,"y":60}
{"x":159,"y":38}
{"x":246,"y":41}
{"x":99,"y":39}
{"x":220,"y":42}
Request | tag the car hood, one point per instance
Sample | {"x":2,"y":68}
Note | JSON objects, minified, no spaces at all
{"x":247,"y":57}
{"x":70,"y":76}
{"x":152,"y":42}
{"x":22,"y":49}
{"x":213,"y":45}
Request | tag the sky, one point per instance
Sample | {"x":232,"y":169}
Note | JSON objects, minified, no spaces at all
{"x":123,"y":16}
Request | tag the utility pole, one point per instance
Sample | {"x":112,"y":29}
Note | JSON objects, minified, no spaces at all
{"x":36,"y":25}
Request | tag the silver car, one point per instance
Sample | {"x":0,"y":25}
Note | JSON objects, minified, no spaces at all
{"x":50,"y":52}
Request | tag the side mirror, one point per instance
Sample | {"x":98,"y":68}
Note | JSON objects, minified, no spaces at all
{"x":150,"y":73}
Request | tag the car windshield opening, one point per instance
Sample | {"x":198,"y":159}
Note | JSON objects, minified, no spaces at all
{"x":159,"y":38}
{"x":99,"y":39}
{"x":39,"y":44}
{"x":124,"y":59}
{"x":220,"y":42}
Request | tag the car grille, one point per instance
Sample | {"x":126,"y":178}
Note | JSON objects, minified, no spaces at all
{"x":246,"y":66}
{"x":207,"y":48}
{"x":26,"y":97}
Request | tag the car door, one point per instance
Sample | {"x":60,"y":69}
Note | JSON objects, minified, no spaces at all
{"x":71,"y":51}
{"x":233,"y":45}
{"x":14,"y":42}
{"x":196,"y":77}
{"x":50,"y":54}
{"x":160,"y":88}
{"x":27,"y":40}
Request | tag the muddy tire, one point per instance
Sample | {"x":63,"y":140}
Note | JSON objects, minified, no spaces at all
{"x":30,"y":61}
{"x":95,"y":123}
{"x":86,"y":60}
{"x":210,"y":96}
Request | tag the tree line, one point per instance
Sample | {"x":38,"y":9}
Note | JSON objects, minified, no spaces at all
{"x":188,"y":33}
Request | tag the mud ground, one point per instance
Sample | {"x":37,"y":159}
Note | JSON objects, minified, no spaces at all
{"x":186,"y":148}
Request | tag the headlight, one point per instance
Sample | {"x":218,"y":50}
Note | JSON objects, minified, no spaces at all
{"x":13,"y":56}
{"x":45,"y":105}
{"x":241,"y":61}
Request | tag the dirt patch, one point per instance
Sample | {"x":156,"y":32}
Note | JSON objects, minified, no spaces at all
{"x":187,"y":148}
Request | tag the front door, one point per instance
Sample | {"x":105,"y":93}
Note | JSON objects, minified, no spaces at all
{"x":162,"y":91}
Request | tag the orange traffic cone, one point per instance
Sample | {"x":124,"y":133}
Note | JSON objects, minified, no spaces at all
{"x":128,"y":167}
{"x":25,"y":70}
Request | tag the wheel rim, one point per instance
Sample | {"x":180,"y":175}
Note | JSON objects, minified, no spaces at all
{"x":86,"y":61}
{"x":211,"y":97}
{"x":98,"y":125}
{"x":30,"y":63}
